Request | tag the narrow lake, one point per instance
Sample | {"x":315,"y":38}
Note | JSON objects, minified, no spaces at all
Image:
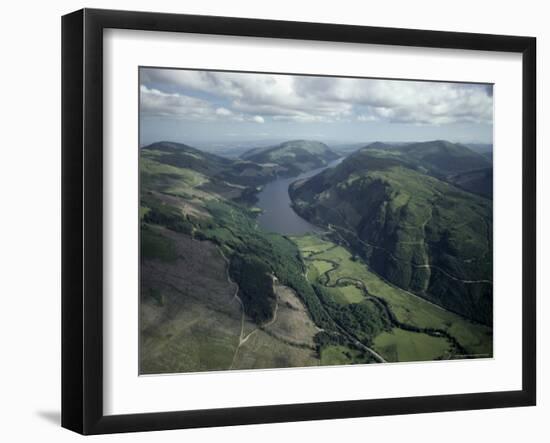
{"x":278,"y":215}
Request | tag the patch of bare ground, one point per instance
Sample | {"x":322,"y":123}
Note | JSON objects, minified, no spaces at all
{"x":222,"y":189}
{"x":284,"y":341}
{"x":263,"y":350}
{"x":186,"y":207}
{"x":292,"y":324}
{"x":191,"y":318}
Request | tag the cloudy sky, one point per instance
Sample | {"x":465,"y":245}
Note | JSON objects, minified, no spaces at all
{"x":204,"y":107}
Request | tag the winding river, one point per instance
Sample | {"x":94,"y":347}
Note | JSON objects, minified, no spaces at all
{"x":277,"y":213}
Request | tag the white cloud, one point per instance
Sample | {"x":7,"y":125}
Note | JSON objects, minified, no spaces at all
{"x":251,"y":97}
{"x":223,"y":112}
{"x":155,"y":103}
{"x":408,"y":101}
{"x":367,"y":118}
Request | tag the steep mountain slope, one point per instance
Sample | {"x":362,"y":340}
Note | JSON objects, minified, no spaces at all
{"x":479,"y":181}
{"x":439,"y":158}
{"x":419,"y":232}
{"x":293,"y":157}
{"x":215,"y":167}
{"x":482,"y":148}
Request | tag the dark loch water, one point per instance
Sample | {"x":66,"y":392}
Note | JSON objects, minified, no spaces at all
{"x":278,"y":215}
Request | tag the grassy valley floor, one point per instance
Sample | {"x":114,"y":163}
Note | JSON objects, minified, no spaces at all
{"x":421,"y":330}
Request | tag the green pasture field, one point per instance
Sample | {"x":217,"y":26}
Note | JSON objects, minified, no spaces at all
{"x":401,"y":345}
{"x":407,"y":307}
{"x":341,"y":355}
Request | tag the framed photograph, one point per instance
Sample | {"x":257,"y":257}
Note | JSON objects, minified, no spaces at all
{"x":269,"y":221}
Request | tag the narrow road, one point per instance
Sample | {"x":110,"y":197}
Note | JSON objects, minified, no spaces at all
{"x":235,"y":297}
{"x":429,"y":331}
{"x":426,"y":265}
{"x":371,"y":351}
{"x":265,"y":325}
{"x":244,"y":338}
{"x":452,"y":277}
{"x":342,"y":330}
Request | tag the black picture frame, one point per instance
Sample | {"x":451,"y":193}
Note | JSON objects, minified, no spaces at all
{"x":82,"y":215}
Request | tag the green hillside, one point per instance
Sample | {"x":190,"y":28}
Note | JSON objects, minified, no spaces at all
{"x":439,"y":157}
{"x":293,"y":157}
{"x":421,"y":233}
{"x":479,"y":181}
{"x":217,"y":168}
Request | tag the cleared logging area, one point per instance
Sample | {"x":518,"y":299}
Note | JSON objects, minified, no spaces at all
{"x":191,"y":321}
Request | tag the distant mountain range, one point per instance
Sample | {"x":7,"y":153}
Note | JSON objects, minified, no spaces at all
{"x":438,"y":157}
{"x":453,"y":162}
{"x":216,"y":168}
{"x":294,"y":157}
